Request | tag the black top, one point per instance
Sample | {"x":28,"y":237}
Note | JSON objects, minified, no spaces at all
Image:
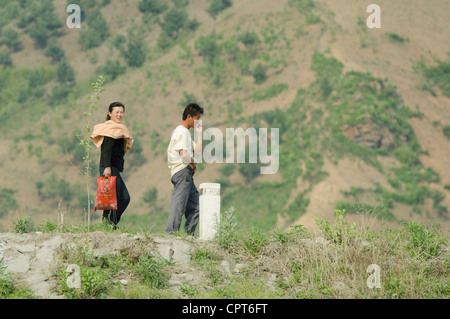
{"x":112,"y":153}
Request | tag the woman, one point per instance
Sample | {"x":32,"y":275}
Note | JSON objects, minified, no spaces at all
{"x":115,"y":141}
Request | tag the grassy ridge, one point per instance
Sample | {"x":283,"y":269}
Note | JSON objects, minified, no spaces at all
{"x":296,"y":263}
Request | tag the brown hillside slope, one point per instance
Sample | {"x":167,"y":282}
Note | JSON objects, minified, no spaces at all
{"x":153,"y":104}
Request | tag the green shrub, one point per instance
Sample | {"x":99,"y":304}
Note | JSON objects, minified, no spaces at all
{"x":9,"y":289}
{"x":446,"y":131}
{"x":325,"y":87}
{"x":302,"y":5}
{"x":94,"y":283}
{"x":40,"y":76}
{"x":439,"y":75}
{"x":226,"y":232}
{"x":150,"y":196}
{"x":164,"y":41}
{"x":180,"y":3}
{"x":111,"y":69}
{"x":54,"y":51}
{"x":249,"y":171}
{"x":5,"y":58}
{"x":208,"y":47}
{"x":424,"y":242}
{"x":325,"y":67}
{"x":47,"y":227}
{"x":259,"y":73}
{"x":72,"y":145}
{"x":152,"y":6}
{"x":11,"y":39}
{"x":270,"y":92}
{"x":55,"y":188}
{"x":394,"y":37}
{"x":174,"y":21}
{"x":151,"y":270}
{"x":22,"y":225}
{"x":217,"y":6}
{"x":298,"y":207}
{"x":65,"y":72}
{"x":135,"y":52}
{"x":203,"y":256}
{"x":42,"y":22}
{"x":60,"y":94}
{"x":97,"y":31}
{"x":249,"y":38}
{"x":7,"y":201}
{"x":188,"y":290}
{"x":255,"y":240}
{"x":340,"y":232}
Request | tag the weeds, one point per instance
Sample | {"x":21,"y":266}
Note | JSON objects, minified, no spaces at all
{"x":424,"y":242}
{"x":10,"y":290}
{"x":22,"y":225}
{"x":340,"y":232}
{"x":255,"y":240}
{"x":436,"y":75}
{"x":150,"y":269}
{"x":226,"y":232}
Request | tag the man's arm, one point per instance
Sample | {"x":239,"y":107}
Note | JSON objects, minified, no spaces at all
{"x":187,"y":158}
{"x":199,"y":131}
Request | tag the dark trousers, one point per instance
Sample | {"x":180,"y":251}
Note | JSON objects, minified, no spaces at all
{"x":123,"y":198}
{"x":185,"y":201}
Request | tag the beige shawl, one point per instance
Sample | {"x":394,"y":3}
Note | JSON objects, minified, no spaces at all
{"x":113,"y":130}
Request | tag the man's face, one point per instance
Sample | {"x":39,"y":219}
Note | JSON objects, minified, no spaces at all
{"x":191,"y":120}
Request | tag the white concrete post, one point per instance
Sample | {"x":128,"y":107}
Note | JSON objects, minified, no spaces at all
{"x":209,"y":210}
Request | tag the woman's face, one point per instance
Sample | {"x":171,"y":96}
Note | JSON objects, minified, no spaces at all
{"x":117,"y":114}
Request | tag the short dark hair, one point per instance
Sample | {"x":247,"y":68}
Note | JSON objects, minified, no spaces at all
{"x":192,"y":109}
{"x":110,"y":108}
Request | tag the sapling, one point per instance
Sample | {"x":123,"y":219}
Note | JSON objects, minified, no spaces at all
{"x":84,"y":137}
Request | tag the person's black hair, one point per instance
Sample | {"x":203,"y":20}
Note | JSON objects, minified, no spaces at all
{"x":110,"y":109}
{"x":192,"y":109}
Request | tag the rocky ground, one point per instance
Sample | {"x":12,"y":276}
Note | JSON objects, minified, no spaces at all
{"x":32,"y":256}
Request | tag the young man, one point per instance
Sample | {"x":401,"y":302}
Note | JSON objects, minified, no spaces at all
{"x":180,"y":157}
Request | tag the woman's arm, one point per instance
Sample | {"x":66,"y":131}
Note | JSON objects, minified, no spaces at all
{"x":106,"y":155}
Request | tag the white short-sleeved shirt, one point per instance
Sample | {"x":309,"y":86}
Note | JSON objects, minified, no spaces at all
{"x":180,"y":140}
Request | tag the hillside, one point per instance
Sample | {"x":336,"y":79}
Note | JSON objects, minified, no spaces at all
{"x":364,"y":114}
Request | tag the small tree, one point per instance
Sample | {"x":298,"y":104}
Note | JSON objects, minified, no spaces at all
{"x":135,"y":53}
{"x":97,"y":30}
{"x":208,"y":48}
{"x":259,"y":73}
{"x":217,"y":6}
{"x":112,"y":69}
{"x":153,"y":6}
{"x":11,"y":39}
{"x":150,"y":196}
{"x":5,"y":58}
{"x":65,"y":72}
{"x":85,"y":140}
{"x":249,"y":171}
{"x":174,"y":21}
{"x":54,"y":51}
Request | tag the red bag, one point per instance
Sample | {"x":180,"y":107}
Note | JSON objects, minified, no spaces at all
{"x":106,"y":198}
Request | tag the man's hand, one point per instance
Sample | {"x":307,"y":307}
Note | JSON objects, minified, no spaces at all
{"x":198,"y":128}
{"x":188,"y":159}
{"x":107,"y":172}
